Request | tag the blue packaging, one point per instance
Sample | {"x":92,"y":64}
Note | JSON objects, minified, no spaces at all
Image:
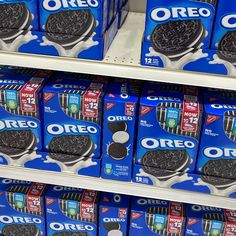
{"x":224,"y":22}
{"x":71,"y":210}
{"x":98,"y":8}
{"x":73,"y":113}
{"x":218,"y":137}
{"x":205,"y":220}
{"x":30,"y":9}
{"x":22,"y":205}
{"x":156,"y":217}
{"x":119,"y":125}
{"x":113,"y":214}
{"x":21,"y":110}
{"x":162,"y":11}
{"x":169,"y":124}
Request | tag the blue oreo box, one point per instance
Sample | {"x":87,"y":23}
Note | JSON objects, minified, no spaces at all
{"x":160,"y":13}
{"x":28,"y":20}
{"x":119,"y":125}
{"x":168,"y":128}
{"x":114,"y":214}
{"x":156,"y":217}
{"x":22,"y":208}
{"x":73,"y":118}
{"x":93,"y":14}
{"x":21,"y":113}
{"x":205,"y":220}
{"x":71,"y":210}
{"x":224,"y":23}
{"x":217,"y":153}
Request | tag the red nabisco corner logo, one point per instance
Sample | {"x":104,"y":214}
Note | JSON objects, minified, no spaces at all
{"x":110,"y":95}
{"x":49,"y":201}
{"x":105,"y":209}
{"x":213,"y":99}
{"x":211,"y":119}
{"x":105,"y":199}
{"x":192,"y":221}
{"x":109,"y":105}
{"x":1,"y":193}
{"x":136,"y":215}
{"x":145,"y":110}
{"x":48,"y":96}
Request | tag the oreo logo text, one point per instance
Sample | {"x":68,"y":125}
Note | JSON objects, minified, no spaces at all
{"x":119,"y":118}
{"x":74,"y":227}
{"x":5,"y":81}
{"x":16,"y":124}
{"x":56,"y":129}
{"x":54,"y":5}
{"x":204,"y":208}
{"x":163,"y":14}
{"x":68,"y":86}
{"x":62,"y":188}
{"x":143,"y":201}
{"x":13,"y":181}
{"x":229,"y":21}
{"x":151,"y":143}
{"x":216,"y":152}
{"x":17,"y":219}
{"x":160,"y":98}
{"x":113,"y":220}
{"x":220,"y":106}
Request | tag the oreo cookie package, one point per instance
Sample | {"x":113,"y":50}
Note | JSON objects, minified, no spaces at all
{"x":205,"y":220}
{"x":217,"y":154}
{"x":168,"y":130}
{"x":155,"y":217}
{"x":21,"y":115}
{"x":73,"y":118}
{"x":113,"y":214}
{"x":22,"y":208}
{"x":119,"y":125}
{"x":177,"y":27}
{"x":79,"y":18}
{"x":71,"y":211}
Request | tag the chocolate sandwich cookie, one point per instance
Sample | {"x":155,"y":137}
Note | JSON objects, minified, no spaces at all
{"x":20,"y":230}
{"x":222,"y":168}
{"x":16,"y":143}
{"x":71,"y":234}
{"x":230,"y":124}
{"x":112,"y":228}
{"x":177,"y":38}
{"x":117,"y":151}
{"x":226,"y":47}
{"x":172,"y":160}
{"x":75,"y":148}
{"x":117,"y":126}
{"x":68,"y":28}
{"x":207,"y":221}
{"x":14,"y":19}
{"x":220,"y":183}
{"x":174,"y":125}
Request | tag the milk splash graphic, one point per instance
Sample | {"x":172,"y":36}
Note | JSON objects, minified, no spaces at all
{"x":178,"y":64}
{"x":231,"y":68}
{"x":217,"y":191}
{"x":182,"y":177}
{"x":72,"y":52}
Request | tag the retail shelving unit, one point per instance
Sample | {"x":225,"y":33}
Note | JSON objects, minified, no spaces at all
{"x":122,"y":60}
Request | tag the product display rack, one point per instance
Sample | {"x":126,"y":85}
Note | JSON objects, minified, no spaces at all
{"x":122,"y":60}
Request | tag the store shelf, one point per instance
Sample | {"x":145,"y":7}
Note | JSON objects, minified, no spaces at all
{"x":122,"y":60}
{"x":72,"y":180}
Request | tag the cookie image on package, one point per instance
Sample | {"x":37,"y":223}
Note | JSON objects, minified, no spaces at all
{"x":15,"y":143}
{"x":68,"y":28}
{"x":227,"y":47}
{"x":15,"y":20}
{"x":69,"y":149}
{"x":71,"y":234}
{"x":20,"y":230}
{"x":72,"y":213}
{"x":117,"y":151}
{"x":230,"y":124}
{"x":113,"y":229}
{"x":165,"y":164}
{"x":175,"y":39}
{"x":175,"y":128}
{"x":207,"y":221}
{"x":224,"y":169}
{"x":117,"y":126}
{"x":20,"y":206}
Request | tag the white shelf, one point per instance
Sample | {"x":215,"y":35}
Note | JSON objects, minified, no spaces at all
{"x":122,"y":60}
{"x":72,"y":180}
